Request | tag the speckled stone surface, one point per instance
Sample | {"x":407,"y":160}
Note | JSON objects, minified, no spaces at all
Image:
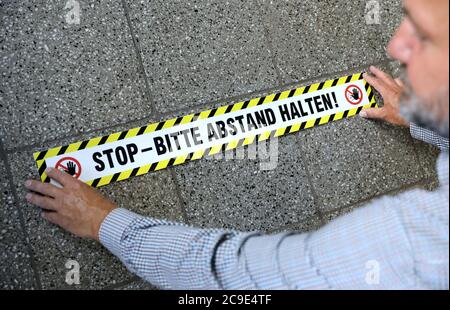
{"x":355,"y":159}
{"x":59,"y":78}
{"x":428,"y":155}
{"x":138,"y":285}
{"x":237,"y":194}
{"x":196,"y":51}
{"x":15,"y":262}
{"x":335,"y":214}
{"x":150,"y":195}
{"x":311,"y":38}
{"x":62,"y":83}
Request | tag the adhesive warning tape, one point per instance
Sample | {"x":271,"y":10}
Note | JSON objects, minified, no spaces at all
{"x":119,"y":156}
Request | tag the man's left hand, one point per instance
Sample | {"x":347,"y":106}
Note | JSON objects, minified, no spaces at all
{"x":391,"y":90}
{"x":76,"y":207}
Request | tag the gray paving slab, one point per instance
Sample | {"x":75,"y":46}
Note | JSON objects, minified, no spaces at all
{"x":196,"y":52}
{"x":59,"y":78}
{"x":238,"y":194}
{"x":138,"y":285}
{"x":428,"y":155}
{"x":426,"y":184}
{"x":330,"y":216}
{"x":355,"y":159}
{"x":15,"y":263}
{"x":150,"y":195}
{"x":312,"y":38}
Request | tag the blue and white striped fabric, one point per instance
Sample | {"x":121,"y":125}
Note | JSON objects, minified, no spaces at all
{"x":429,"y":136}
{"x":396,"y":242}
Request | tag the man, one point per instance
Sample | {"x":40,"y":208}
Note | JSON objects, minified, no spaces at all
{"x":405,"y":237}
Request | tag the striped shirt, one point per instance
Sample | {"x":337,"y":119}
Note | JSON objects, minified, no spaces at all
{"x":395,"y":242}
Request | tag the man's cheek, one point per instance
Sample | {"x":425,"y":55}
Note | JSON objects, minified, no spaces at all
{"x":424,"y":81}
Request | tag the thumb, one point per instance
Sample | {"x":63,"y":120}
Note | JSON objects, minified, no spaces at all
{"x":399,"y":82}
{"x":374,"y":113}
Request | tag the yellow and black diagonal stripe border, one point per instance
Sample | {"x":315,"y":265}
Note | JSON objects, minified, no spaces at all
{"x":40,"y":157}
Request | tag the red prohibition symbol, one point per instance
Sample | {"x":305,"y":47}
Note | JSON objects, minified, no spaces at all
{"x":354,"y":94}
{"x":70,"y":166}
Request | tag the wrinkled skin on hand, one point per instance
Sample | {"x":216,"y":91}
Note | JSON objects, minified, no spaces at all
{"x":76,"y":207}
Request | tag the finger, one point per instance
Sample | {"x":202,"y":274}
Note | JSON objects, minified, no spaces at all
{"x":375,"y":113}
{"x":41,"y":201}
{"x":382,"y":75}
{"x":400,"y":82}
{"x":378,"y":84}
{"x":52,"y":217}
{"x":42,"y":188}
{"x":63,"y":178}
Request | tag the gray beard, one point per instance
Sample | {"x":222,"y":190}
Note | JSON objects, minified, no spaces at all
{"x":431,"y":113}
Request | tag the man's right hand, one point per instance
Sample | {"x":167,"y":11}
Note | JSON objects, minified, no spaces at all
{"x":391,"y":91}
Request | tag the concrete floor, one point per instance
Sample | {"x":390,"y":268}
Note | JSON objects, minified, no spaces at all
{"x":129,"y":63}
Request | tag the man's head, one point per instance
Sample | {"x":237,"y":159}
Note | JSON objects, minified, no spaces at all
{"x":421,"y":44}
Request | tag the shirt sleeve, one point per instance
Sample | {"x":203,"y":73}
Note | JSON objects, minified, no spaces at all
{"x":429,"y":136}
{"x":374,"y":247}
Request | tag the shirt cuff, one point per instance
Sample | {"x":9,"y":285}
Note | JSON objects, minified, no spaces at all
{"x":415,"y":131}
{"x":113,"y":227}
